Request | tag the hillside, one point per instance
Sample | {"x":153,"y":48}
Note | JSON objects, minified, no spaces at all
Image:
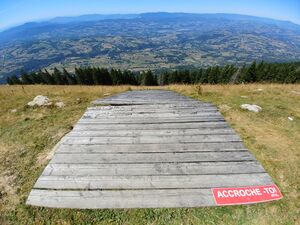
{"x":147,"y":41}
{"x":29,"y":134}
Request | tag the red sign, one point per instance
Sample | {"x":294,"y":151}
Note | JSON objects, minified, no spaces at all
{"x":246,"y":195}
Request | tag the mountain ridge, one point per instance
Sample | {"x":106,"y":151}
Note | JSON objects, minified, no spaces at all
{"x":98,"y":17}
{"x":148,"y":40}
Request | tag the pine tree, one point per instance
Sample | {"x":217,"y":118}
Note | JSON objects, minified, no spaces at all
{"x":15,"y":79}
{"x":57,"y":75}
{"x":260,"y":71}
{"x":105,"y":76}
{"x":96,"y":76}
{"x":212,"y":77}
{"x":88,"y":76}
{"x":25,"y":78}
{"x":9,"y":81}
{"x":294,"y":76}
{"x":69,"y":78}
{"x":43,"y":78}
{"x":79,"y":76}
{"x":250,"y":75}
{"x":149,"y":79}
{"x":48,"y":77}
{"x":204,"y":77}
{"x":185,"y":77}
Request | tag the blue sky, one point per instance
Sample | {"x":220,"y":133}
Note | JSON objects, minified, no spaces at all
{"x":14,"y":12}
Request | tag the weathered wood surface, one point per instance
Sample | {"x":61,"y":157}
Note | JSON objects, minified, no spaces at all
{"x":146,"y":149}
{"x":169,"y":126}
{"x":149,"y":148}
{"x":140,"y":169}
{"x":134,"y":133}
{"x":86,"y":199}
{"x":154,"y":157}
{"x":151,"y":182}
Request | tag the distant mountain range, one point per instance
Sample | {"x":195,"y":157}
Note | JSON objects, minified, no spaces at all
{"x":154,"y":41}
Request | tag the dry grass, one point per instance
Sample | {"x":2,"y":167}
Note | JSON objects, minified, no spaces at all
{"x":28,"y":136}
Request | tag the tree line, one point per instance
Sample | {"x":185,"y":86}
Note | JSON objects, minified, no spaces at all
{"x":255,"y":72}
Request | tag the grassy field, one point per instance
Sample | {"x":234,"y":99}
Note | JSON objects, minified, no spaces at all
{"x":28,"y":135}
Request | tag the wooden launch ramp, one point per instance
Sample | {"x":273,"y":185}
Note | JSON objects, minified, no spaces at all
{"x":146,"y":149}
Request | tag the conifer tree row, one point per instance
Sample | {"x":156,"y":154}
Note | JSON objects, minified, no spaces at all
{"x":256,"y":72}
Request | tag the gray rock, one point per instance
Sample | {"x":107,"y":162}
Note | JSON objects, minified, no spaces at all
{"x":252,"y":108}
{"x":39,"y":100}
{"x":60,"y":104}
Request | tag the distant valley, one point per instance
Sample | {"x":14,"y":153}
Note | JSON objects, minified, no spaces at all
{"x":155,"y":41}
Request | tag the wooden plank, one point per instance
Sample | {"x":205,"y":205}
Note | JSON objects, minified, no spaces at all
{"x":151,"y":120}
{"x":152,"y":169}
{"x":142,"y":118}
{"x":153,"y":139}
{"x":165,"y":132}
{"x":140,"y":115}
{"x":151,"y":108}
{"x":192,"y":125}
{"x":168,"y":104}
{"x":153,"y":182}
{"x":178,"y":105}
{"x":121,"y":102}
{"x":148,"y":148}
{"x":107,"y":109}
{"x":156,"y":100}
{"x":185,"y":116}
{"x":121,"y":198}
{"x":130,"y":115}
{"x":147,"y":99}
{"x":157,"y":112}
{"x":153,"y":158}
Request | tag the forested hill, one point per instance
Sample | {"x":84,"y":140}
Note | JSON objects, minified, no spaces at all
{"x":256,"y":72}
{"x":153,"y":41}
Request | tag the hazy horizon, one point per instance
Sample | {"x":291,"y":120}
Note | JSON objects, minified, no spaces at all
{"x":79,"y":15}
{"x":14,"y":13}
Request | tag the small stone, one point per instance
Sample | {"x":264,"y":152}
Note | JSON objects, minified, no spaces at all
{"x":290,"y":118}
{"x":60,"y":104}
{"x":243,"y":96}
{"x":106,"y":94}
{"x":252,"y":108}
{"x":13,"y":110}
{"x":259,"y":89}
{"x":39,"y":100}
